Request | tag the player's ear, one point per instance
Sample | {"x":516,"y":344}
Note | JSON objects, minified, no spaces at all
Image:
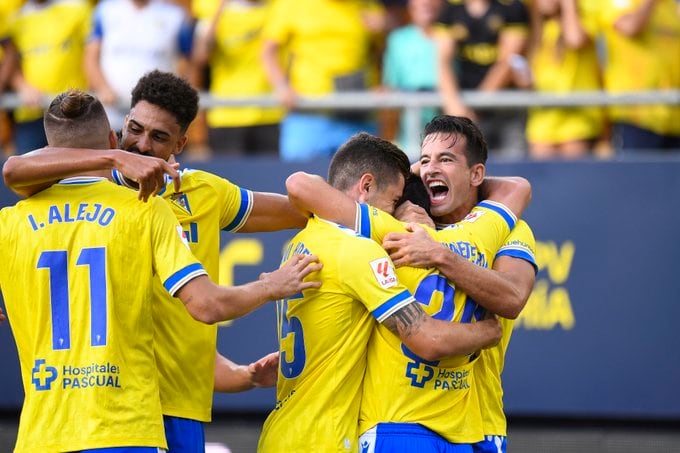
{"x":113,"y":139}
{"x":366,"y":183}
{"x":477,"y":173}
{"x":180,"y":144}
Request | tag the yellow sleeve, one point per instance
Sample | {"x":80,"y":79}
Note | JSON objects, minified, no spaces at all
{"x":172,"y":259}
{"x":372,"y":278}
{"x":375,"y":224}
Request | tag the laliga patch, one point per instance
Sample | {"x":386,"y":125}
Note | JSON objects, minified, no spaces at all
{"x":384,"y":272}
{"x":182,"y":235}
{"x":473,"y":216}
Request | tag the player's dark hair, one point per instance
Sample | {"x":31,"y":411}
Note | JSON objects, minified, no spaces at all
{"x":170,"y":93}
{"x":366,"y":153}
{"x":476,"y":150}
{"x":76,"y":119}
{"x":416,"y":192}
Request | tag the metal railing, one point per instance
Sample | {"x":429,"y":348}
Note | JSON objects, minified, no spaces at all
{"x":412,"y":103}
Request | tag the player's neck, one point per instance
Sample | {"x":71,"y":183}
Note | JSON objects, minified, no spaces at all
{"x":457,"y":214}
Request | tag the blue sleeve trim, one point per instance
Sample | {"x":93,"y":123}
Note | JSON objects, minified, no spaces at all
{"x":182,"y":276}
{"x":502,"y":210}
{"x":521,"y":254}
{"x":363,"y":221}
{"x":243,"y":211}
{"x":389,"y":307}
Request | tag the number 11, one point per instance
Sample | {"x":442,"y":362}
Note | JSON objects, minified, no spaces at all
{"x":57,"y":263}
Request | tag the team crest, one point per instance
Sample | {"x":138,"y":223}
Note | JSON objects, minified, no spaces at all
{"x":181,"y":200}
{"x":383,"y":269}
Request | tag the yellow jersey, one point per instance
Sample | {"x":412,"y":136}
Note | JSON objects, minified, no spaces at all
{"x":488,"y":368}
{"x":51,"y":39}
{"x":185,"y":348}
{"x":79,"y":259}
{"x":327,"y":41}
{"x":653,"y":56}
{"x":400,"y":386}
{"x":558,"y":69}
{"x":323,"y":335}
{"x":235,"y":67}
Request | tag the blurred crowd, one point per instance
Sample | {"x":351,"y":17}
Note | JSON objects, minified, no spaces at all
{"x":306,"y":48}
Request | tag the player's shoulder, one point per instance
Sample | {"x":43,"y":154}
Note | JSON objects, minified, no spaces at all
{"x":195,"y":178}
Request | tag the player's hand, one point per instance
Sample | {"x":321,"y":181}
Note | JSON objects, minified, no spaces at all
{"x":410,"y":212}
{"x":492,"y":329}
{"x":289,"y":278}
{"x":411,"y":249}
{"x":265,"y":371}
{"x":148,"y":172}
{"x":3,"y":318}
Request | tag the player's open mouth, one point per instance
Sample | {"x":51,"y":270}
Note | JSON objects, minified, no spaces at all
{"x":438,"y":191}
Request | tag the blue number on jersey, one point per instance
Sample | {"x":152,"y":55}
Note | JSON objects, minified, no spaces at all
{"x":291,"y":325}
{"x":423,"y":294}
{"x":57,"y":263}
{"x":426,"y":289}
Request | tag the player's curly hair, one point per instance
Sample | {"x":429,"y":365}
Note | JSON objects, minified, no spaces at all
{"x":366,"y":153}
{"x":169,"y":92}
{"x":476,"y":150}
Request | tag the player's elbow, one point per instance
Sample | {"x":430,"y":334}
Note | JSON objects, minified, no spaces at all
{"x":203,"y":311}
{"x":426,"y":350}
{"x":523,"y":187}
{"x":9,"y":172}
{"x":512,"y":309}
{"x":432,"y":347}
{"x":295,"y":184}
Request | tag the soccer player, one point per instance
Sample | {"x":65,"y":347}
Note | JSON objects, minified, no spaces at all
{"x":163,"y":106}
{"x":505,"y":291}
{"x":324,"y":333}
{"x":79,"y":263}
{"x":425,"y":401}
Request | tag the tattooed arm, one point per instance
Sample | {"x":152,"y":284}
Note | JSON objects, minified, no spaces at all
{"x":433,"y":339}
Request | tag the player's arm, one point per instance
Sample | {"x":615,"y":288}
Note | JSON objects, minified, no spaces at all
{"x":30,"y":173}
{"x":311,"y":193}
{"x":503,"y":290}
{"x":272,"y":212}
{"x":433,"y":339}
{"x":3,"y":318}
{"x":211,"y":303}
{"x":512,"y":191}
{"x":231,"y":377}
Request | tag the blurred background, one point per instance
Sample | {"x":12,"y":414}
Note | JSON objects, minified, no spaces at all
{"x":581,"y":97}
